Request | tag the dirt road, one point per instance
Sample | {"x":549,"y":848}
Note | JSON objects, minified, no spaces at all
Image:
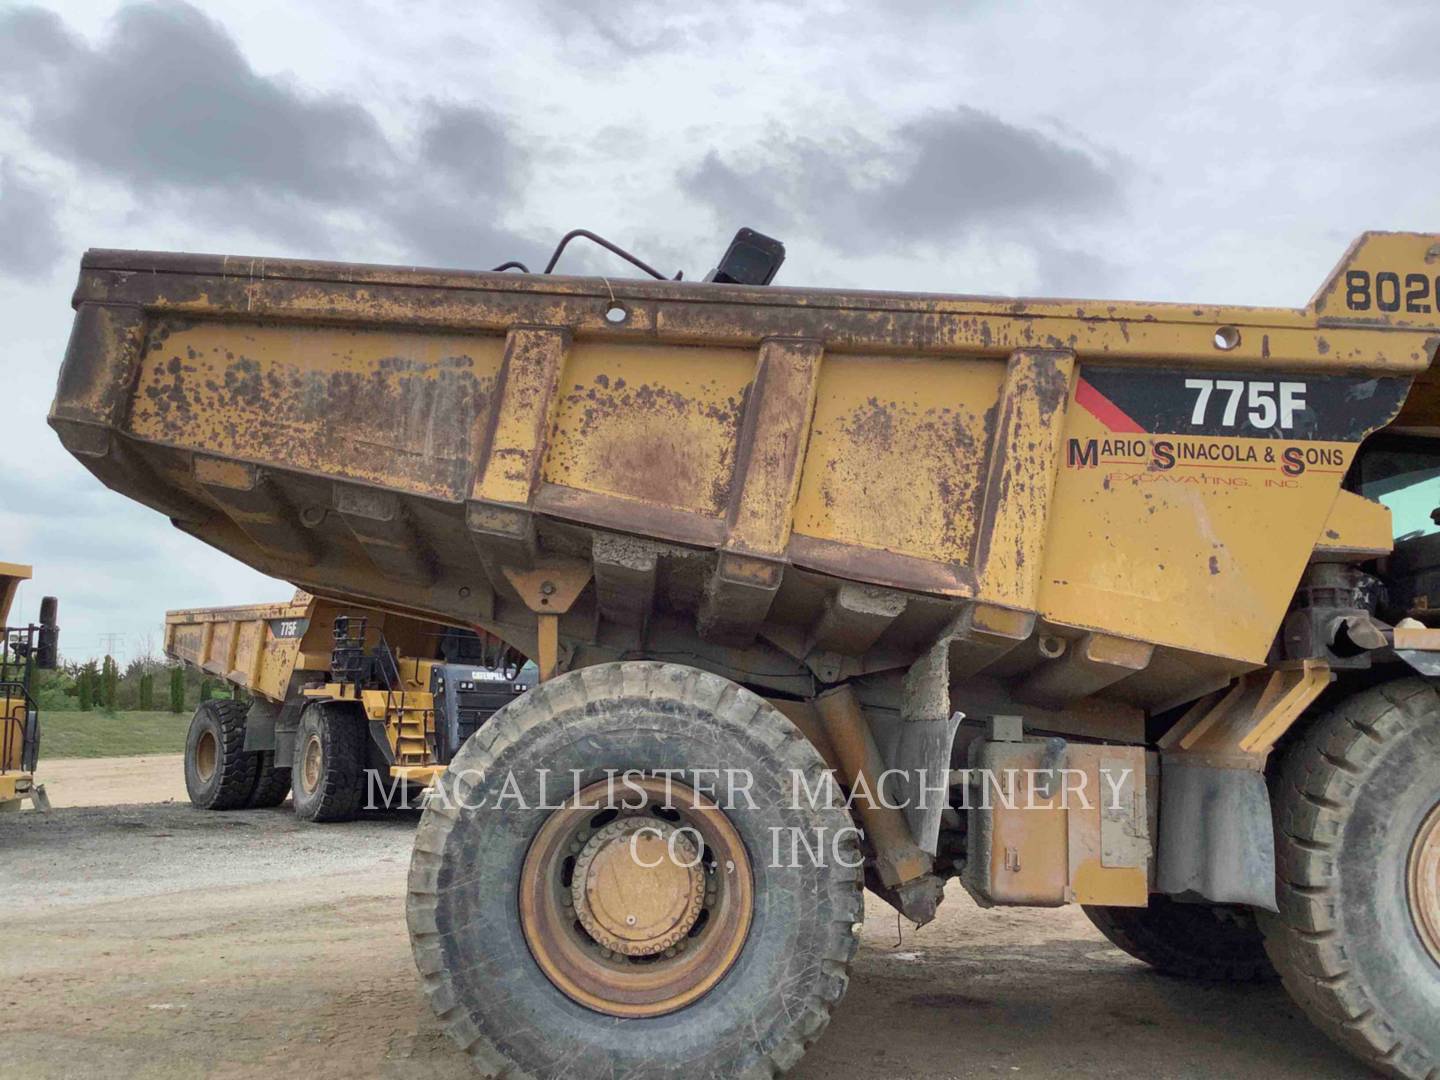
{"x":114,"y":780}
{"x":158,"y":941}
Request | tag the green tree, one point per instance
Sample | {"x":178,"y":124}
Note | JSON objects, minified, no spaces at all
{"x":177,"y":689}
{"x":147,"y":691}
{"x":109,"y":684}
{"x":85,"y":683}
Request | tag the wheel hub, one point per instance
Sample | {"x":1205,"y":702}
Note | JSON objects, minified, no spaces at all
{"x":206,"y":755}
{"x":638,"y":887}
{"x":310,"y":773}
{"x":1424,"y":883}
{"x":636,"y":910}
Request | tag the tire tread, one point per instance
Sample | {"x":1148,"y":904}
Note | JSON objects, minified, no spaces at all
{"x":342,"y":781}
{"x":239,"y":770}
{"x":630,"y":680}
{"x":1315,"y":790}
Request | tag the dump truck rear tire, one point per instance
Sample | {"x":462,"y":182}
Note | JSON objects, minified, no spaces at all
{"x":272,"y":784}
{"x":219,"y":774}
{"x":1357,"y":831}
{"x":328,"y":775}
{"x":1192,"y":941}
{"x":480,"y":863}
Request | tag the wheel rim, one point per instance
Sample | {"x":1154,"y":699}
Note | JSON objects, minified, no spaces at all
{"x":207,"y":753}
{"x":310,"y":763}
{"x":1424,"y":883}
{"x":616,"y":921}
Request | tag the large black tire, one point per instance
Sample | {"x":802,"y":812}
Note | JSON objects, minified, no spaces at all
{"x":1192,"y":941}
{"x":482,"y":979}
{"x":272,"y":784}
{"x":219,"y":774}
{"x":327,"y":776}
{"x":1350,"y":799}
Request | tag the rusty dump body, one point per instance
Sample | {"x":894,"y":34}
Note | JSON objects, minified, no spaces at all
{"x":765,"y":479}
{"x":949,"y":540}
{"x":1085,"y":514}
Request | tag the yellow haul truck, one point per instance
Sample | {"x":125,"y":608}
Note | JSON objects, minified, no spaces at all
{"x":921,"y":544}
{"x":331,"y":696}
{"x":23,"y":651}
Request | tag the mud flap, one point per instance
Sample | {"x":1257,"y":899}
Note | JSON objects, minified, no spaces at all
{"x":260,"y":726}
{"x":921,"y":755}
{"x":1217,"y":836}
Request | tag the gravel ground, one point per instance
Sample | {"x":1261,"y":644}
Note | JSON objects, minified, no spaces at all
{"x":159,"y":941}
{"x":109,"y":781}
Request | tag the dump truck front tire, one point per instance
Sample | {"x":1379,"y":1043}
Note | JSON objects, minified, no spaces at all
{"x":1357,"y":830}
{"x":1192,"y":941}
{"x":272,"y":784}
{"x":327,"y":777}
{"x":492,"y":836}
{"x":219,"y":774}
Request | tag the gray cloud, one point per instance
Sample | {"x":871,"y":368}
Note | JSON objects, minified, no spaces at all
{"x":456,"y":231}
{"x":931,"y":180}
{"x":966,"y":166}
{"x":471,"y":146}
{"x":30,"y":243}
{"x":1067,"y":271}
{"x":753,"y":196}
{"x":203,"y":134}
{"x":629,"y":30}
{"x":201,"y":118}
{"x":30,"y":39}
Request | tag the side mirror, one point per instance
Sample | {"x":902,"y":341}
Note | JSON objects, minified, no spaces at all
{"x":47,"y":652}
{"x":752,"y":259}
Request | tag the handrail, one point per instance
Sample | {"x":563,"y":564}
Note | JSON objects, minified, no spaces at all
{"x":17,"y":668}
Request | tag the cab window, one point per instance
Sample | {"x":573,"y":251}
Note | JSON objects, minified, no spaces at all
{"x":1405,"y":477}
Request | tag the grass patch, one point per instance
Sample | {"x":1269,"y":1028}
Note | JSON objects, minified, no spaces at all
{"x":98,"y":734}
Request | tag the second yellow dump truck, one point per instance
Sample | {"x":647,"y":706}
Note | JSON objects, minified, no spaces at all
{"x":24,"y":650}
{"x":340,"y":707}
{"x":1127,"y":605}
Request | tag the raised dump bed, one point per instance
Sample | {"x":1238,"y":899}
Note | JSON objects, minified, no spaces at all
{"x":1125,"y":539}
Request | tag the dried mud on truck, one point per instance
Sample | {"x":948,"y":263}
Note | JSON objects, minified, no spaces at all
{"x":971,"y":558}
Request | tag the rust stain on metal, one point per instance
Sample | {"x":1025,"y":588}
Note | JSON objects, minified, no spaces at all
{"x":628,"y":426}
{"x":927,"y":426}
{"x":339,"y":401}
{"x":926,"y":466}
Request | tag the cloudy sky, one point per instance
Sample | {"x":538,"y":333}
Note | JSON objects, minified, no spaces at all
{"x":1180,"y":151}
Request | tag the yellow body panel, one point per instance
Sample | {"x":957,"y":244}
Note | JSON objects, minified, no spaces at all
{"x":381,"y":409}
{"x":14,"y":786}
{"x":1356,"y":527}
{"x":1076,"y":835}
{"x":12,"y":735}
{"x":879,"y":419}
{"x":842,"y":475}
{"x":658,"y":425}
{"x":11,"y":575}
{"x":1202,"y":555}
{"x":12,"y":710}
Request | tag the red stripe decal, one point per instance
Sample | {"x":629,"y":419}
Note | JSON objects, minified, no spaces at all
{"x":1104,"y":410}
